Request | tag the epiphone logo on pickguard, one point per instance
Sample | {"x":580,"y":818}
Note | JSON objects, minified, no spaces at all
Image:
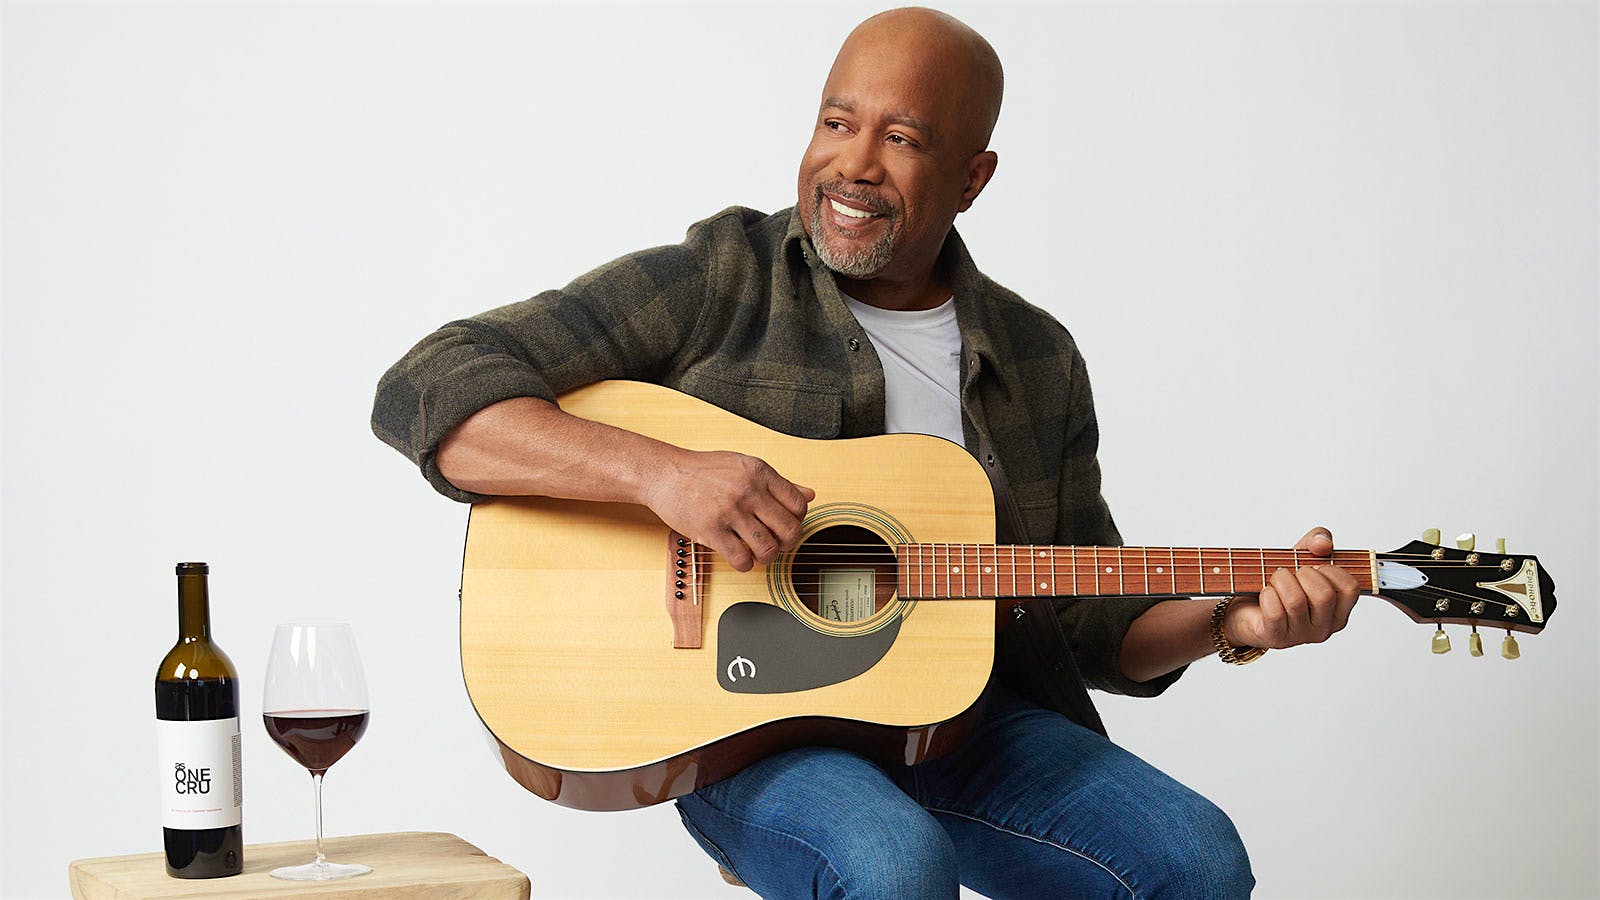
{"x":741,"y":666}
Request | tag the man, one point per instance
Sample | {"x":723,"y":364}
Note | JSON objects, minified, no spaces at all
{"x":858,"y":312}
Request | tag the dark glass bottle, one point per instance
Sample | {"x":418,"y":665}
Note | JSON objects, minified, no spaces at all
{"x":197,"y":724}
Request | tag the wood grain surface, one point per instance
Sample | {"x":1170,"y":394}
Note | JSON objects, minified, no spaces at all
{"x":407,"y":864}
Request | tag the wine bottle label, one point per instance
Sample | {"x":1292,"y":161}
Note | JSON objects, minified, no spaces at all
{"x":199,"y":773}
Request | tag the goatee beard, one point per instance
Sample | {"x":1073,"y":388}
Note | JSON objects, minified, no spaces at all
{"x":862,"y":263}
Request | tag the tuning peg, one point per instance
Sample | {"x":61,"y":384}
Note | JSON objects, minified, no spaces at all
{"x":1466,"y":540}
{"x":1509,"y":648}
{"x":1475,"y":642}
{"x":1500,"y":546}
{"x":1441,"y":641}
{"x":1431,"y":535}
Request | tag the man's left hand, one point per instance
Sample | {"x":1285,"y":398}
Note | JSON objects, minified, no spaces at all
{"x":1297,"y":606}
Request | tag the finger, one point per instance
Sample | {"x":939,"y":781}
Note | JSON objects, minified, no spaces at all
{"x":763,"y":545}
{"x":1318,"y":540}
{"x":1274,"y":619}
{"x":793,"y":497}
{"x":732,"y":547}
{"x":1296,"y":607}
{"x":1321,"y":601}
{"x":777,"y":519}
{"x":1348,"y":589}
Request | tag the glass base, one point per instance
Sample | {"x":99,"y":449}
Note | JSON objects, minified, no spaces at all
{"x":320,"y":871}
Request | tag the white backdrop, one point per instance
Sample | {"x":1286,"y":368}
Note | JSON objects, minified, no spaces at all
{"x":1329,"y":264}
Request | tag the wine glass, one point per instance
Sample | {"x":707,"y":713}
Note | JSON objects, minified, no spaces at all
{"x":315,"y":707}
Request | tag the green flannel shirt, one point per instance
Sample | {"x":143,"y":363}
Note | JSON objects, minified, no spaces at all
{"x":744,"y":315}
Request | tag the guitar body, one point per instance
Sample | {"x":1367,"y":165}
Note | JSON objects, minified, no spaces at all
{"x":571,"y":656}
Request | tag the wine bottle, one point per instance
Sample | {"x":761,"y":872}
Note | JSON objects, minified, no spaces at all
{"x":197,"y":727}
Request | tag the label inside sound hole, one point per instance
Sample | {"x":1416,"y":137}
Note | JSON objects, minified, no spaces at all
{"x":846,"y":595}
{"x":198,"y":771}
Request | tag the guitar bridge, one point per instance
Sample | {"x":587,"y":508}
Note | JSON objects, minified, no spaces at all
{"x":687,"y":566}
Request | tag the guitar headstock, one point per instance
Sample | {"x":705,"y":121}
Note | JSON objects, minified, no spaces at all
{"x":1462,"y":585}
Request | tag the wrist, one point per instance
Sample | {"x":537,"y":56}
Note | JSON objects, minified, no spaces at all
{"x":1227,"y":644}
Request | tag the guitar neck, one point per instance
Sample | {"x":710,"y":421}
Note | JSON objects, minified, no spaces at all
{"x":946,"y":571}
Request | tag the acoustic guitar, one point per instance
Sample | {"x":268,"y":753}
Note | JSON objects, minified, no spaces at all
{"x":617,"y":664}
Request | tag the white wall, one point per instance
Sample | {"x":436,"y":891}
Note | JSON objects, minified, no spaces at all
{"x":1329,"y":264}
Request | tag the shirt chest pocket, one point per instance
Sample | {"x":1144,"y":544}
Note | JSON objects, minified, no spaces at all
{"x":1037,"y":502}
{"x":802,"y":410}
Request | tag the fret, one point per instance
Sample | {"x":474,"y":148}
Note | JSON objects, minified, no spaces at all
{"x":1120,"y":566}
{"x":998,"y":565}
{"x":1231,"y":589}
{"x":1139,"y":584}
{"x":1094,"y":559}
{"x":1263,"y":554}
{"x":1052,"y":552}
{"x":977,"y":568}
{"x":939,"y":569}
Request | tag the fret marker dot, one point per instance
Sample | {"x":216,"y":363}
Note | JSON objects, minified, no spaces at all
{"x":1042,"y":585}
{"x":1041,"y":553}
{"x":987,"y":570}
{"x":1159,"y":570}
{"x":955,"y":568}
{"x":1215,"y":569}
{"x":1108,"y":570}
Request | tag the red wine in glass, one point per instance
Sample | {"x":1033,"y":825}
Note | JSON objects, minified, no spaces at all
{"x":315,"y":707}
{"x":316,"y":738}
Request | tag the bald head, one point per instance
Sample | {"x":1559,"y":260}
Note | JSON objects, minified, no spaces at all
{"x":954,"y":62}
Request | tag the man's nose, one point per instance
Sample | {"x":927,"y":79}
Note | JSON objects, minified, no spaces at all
{"x":858,"y":160}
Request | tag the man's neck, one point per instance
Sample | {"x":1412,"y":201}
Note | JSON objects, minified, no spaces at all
{"x":924,"y":293}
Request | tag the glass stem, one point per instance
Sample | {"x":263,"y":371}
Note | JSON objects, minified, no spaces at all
{"x":316,"y":779}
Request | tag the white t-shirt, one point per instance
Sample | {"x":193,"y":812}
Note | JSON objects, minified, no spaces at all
{"x":921,"y":354}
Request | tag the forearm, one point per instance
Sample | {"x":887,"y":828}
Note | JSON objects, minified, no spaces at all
{"x":528,"y":446}
{"x":1167,"y":636}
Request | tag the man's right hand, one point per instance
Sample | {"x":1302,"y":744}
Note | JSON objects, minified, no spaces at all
{"x":735,"y":504}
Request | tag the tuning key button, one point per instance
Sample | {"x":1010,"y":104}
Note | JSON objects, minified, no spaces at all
{"x":1475,"y":643}
{"x":1500,"y":546}
{"x":1431,"y":535}
{"x":1441,"y":641}
{"x":1466,"y":540}
{"x":1509,"y":648}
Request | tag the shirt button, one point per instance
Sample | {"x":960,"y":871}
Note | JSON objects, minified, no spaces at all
{"x":855,"y":344}
{"x":990,"y":460}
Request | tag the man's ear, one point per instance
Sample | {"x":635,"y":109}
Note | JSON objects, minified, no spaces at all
{"x":980,"y":168}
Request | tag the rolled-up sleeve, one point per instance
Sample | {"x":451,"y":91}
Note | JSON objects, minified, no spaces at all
{"x":1095,"y":626}
{"x":626,"y":319}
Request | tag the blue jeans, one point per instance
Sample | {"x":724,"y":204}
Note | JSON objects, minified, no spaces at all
{"x":1033,"y":806}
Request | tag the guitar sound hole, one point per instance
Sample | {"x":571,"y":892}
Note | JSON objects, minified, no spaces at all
{"x":844,"y":573}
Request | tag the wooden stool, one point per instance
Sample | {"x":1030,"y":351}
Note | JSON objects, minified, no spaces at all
{"x":405,"y":864}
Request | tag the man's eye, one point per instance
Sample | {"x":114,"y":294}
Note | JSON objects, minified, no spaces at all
{"x":898,"y":139}
{"x":833,"y":125}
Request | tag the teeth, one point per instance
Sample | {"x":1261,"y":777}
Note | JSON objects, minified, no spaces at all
{"x":850,"y":211}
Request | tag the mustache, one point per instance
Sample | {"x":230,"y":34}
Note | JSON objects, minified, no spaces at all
{"x":847,"y":191}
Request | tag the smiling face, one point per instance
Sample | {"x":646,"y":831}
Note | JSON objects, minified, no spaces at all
{"x":898,"y":146}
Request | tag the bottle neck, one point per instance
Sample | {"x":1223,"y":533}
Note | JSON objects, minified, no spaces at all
{"x":194,"y":609}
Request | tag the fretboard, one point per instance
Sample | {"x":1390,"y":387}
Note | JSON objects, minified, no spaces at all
{"x":942,"y":571}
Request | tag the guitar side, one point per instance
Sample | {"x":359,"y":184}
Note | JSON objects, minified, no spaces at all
{"x":567,"y":649}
